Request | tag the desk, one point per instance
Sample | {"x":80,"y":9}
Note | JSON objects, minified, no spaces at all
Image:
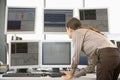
{"x":87,"y":77}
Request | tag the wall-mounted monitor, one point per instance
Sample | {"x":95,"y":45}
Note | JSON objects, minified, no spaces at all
{"x":24,"y":54}
{"x":55,"y":19}
{"x":97,"y":18}
{"x":20,"y":20}
{"x":56,"y":54}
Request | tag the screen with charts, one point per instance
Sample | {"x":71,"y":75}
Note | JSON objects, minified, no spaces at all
{"x":20,"y":20}
{"x":97,"y":18}
{"x":24,"y":54}
{"x":56,"y":53}
{"x":55,"y":19}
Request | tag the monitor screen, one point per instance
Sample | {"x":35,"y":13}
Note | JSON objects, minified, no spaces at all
{"x":55,"y":19}
{"x":83,"y":62}
{"x":118,"y":44}
{"x":20,"y":20}
{"x":24,"y":54}
{"x":14,"y":25}
{"x":19,"y":48}
{"x":97,"y":18}
{"x":56,"y":53}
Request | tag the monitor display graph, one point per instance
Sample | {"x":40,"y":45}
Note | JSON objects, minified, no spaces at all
{"x":97,"y":18}
{"x":24,"y":54}
{"x":55,"y":19}
{"x":20,"y":20}
{"x":14,"y":25}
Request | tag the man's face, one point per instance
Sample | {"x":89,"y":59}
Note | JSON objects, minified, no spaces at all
{"x":69,"y":32}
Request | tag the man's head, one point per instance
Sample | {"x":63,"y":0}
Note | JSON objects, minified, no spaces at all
{"x":72,"y":25}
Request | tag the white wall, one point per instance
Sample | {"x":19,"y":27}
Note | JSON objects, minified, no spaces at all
{"x":63,"y":3}
{"x":112,"y":6}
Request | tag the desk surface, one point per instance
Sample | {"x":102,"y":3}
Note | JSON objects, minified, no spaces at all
{"x":87,"y":77}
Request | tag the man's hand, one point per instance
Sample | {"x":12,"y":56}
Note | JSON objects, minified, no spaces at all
{"x":67,"y":76}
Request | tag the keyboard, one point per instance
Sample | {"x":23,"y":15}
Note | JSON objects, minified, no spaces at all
{"x":25,"y":75}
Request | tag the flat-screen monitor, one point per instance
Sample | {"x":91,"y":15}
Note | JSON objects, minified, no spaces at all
{"x":55,"y":19}
{"x":24,"y":54}
{"x":83,"y":61}
{"x":56,"y":54}
{"x":97,"y":18}
{"x":118,"y":44}
{"x":20,"y":20}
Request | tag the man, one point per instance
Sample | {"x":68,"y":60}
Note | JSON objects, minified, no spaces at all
{"x":97,"y":47}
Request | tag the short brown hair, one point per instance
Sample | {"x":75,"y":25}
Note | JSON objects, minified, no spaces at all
{"x":73,"y":23}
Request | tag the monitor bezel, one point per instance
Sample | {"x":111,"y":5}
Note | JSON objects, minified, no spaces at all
{"x":24,"y":66}
{"x":56,"y":66}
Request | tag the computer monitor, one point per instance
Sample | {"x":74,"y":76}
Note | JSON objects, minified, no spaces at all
{"x":55,"y":19}
{"x":20,"y":20}
{"x":97,"y":18}
{"x":83,"y":61}
{"x":118,"y":44}
{"x":56,"y":54}
{"x":24,"y":54}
